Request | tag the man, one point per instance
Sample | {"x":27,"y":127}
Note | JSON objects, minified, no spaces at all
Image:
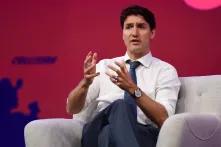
{"x":135,"y":93}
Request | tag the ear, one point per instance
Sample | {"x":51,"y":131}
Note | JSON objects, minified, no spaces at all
{"x":122,"y":34}
{"x":153,"y":32}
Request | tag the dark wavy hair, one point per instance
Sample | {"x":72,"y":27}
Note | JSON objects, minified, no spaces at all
{"x":138,"y":10}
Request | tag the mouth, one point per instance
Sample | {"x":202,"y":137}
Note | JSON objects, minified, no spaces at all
{"x":135,"y":41}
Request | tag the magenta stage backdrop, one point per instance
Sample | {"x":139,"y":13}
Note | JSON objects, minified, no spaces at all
{"x":44,"y":42}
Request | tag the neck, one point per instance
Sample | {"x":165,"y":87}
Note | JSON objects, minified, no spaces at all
{"x":135,"y":56}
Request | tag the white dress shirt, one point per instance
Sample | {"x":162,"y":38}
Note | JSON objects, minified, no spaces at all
{"x":156,"y":78}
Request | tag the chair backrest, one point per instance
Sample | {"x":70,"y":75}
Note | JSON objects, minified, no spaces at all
{"x":200,"y":94}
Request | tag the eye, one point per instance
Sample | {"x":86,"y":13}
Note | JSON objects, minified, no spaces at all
{"x":128,"y":26}
{"x":141,"y":26}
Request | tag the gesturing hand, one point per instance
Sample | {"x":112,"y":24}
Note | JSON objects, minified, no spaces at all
{"x":123,"y":79}
{"x":90,"y":68}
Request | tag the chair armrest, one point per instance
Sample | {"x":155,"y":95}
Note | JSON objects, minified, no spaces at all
{"x":53,"y":133}
{"x":187,"y":129}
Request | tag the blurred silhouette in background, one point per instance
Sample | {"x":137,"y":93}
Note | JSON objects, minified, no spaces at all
{"x":12,"y":123}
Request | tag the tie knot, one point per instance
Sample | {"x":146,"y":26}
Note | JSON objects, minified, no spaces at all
{"x":133,"y":64}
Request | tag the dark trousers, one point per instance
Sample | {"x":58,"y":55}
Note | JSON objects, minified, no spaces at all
{"x":116,"y":127}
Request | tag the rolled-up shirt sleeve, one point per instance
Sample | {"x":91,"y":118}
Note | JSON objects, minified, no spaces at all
{"x":167,"y":89}
{"x":94,"y":89}
{"x":90,"y":102}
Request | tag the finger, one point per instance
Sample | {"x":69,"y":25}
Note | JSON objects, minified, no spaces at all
{"x":108,"y":73}
{"x":88,"y":59}
{"x":89,"y":54}
{"x":112,"y":77}
{"x":116,"y":82}
{"x":118,"y":79}
{"x":113,"y":80}
{"x":94,"y":58}
{"x":115,"y":69}
{"x":120,"y":65}
{"x":89,"y":68}
{"x":92,"y":75}
{"x":118,"y":71}
{"x":125,"y":67}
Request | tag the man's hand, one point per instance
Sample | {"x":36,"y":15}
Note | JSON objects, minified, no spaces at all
{"x":123,"y":79}
{"x":77,"y":97}
{"x":90,"y":68}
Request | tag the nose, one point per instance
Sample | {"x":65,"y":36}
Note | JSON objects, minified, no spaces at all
{"x":135,"y":31}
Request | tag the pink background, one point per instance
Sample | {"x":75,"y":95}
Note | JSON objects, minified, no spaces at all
{"x":188,"y":38}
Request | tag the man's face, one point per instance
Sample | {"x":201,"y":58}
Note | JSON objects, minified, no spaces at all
{"x":137,"y":35}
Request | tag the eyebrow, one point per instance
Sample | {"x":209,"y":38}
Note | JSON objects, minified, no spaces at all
{"x":129,"y":24}
{"x":141,"y":24}
{"x":137,"y":24}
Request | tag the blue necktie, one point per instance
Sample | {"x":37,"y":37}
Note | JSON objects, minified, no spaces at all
{"x":127,"y":97}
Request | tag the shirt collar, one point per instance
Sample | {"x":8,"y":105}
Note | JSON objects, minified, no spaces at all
{"x":145,"y":60}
